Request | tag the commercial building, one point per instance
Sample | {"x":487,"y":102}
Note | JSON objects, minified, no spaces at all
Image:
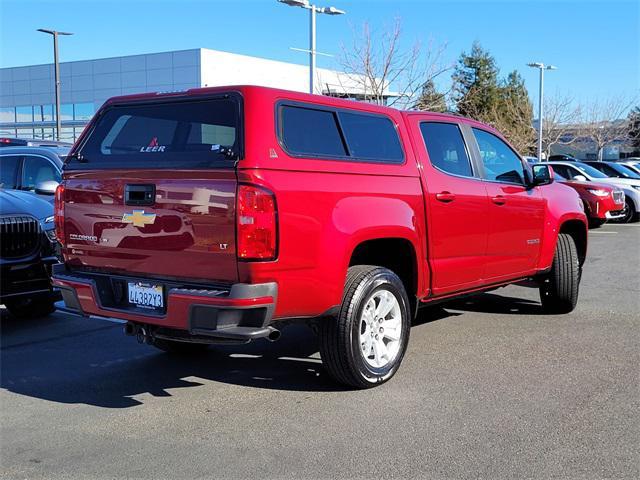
{"x":27,"y":93}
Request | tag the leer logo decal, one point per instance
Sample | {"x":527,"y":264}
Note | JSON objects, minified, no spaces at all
{"x":139,"y":218}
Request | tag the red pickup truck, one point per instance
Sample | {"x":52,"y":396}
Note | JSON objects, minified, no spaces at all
{"x":222,"y":214}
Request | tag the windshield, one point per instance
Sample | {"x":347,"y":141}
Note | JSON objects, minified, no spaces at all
{"x":171,"y":134}
{"x":590,"y":171}
{"x":625,"y":171}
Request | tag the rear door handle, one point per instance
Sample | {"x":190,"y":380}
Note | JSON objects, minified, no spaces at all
{"x":445,"y":197}
{"x":499,"y":200}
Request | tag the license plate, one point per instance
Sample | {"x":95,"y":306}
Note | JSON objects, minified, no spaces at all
{"x":144,"y":295}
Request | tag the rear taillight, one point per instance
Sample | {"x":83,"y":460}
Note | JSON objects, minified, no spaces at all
{"x":58,"y":213}
{"x":257,"y":224}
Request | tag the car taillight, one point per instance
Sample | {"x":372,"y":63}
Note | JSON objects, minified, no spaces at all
{"x":257,"y":224}
{"x":58,"y":213}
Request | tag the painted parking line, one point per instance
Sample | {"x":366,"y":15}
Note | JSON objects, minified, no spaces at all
{"x":612,"y":233}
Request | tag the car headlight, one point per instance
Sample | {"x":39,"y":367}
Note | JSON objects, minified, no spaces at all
{"x":597,"y":192}
{"x":51,"y":234}
{"x":49,"y":219}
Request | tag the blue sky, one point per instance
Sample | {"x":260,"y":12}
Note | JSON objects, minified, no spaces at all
{"x":595,"y":44}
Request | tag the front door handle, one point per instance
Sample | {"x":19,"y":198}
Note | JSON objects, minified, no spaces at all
{"x":445,"y":197}
{"x":499,"y":200}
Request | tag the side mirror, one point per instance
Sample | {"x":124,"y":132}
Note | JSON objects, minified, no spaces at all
{"x":46,"y":188}
{"x":542,"y":174}
{"x":579,"y":178}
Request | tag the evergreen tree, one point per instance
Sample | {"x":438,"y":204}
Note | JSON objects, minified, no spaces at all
{"x":475,"y":83}
{"x":430,"y":99}
{"x":513,"y":114}
{"x":634,"y":128}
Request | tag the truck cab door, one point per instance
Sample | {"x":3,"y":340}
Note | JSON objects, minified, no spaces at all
{"x":516,"y":212}
{"x":456,"y":205}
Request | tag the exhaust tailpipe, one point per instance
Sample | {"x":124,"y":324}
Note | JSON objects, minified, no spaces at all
{"x":143,"y":335}
{"x":274,"y":335}
{"x":130,"y":329}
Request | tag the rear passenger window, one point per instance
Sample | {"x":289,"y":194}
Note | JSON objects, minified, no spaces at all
{"x":311,"y":132}
{"x":371,"y":136}
{"x":446,"y":148}
{"x":318,"y":132}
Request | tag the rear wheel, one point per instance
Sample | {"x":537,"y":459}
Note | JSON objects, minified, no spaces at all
{"x":559,"y":288}
{"x":31,"y":307}
{"x":365,"y":344}
{"x":179,"y":348}
{"x":596,"y":222}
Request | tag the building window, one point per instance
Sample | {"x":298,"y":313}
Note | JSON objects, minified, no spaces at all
{"x":24,"y":114}
{"x":7,"y":115}
{"x":66,"y":111}
{"x":83,"y":111}
{"x":43,"y":113}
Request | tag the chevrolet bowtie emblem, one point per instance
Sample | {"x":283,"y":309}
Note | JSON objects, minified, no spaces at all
{"x":139,"y":218}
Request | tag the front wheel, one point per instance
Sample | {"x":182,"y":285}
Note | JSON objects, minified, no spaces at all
{"x":559,"y":288}
{"x":31,"y":307}
{"x":629,"y":212}
{"x":365,"y":344}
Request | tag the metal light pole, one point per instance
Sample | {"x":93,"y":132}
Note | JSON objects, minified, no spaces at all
{"x":542,"y":68}
{"x":313,"y":9}
{"x":56,"y":67}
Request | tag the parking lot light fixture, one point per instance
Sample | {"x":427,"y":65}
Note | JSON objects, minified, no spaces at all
{"x":313,"y":10}
{"x":542,"y":67}
{"x":56,"y":66}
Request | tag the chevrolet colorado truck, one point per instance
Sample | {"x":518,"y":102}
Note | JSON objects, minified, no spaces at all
{"x":222,"y":214}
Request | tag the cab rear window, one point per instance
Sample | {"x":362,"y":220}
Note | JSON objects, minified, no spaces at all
{"x":174,"y":134}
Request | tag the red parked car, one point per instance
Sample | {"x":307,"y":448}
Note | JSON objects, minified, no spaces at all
{"x":222,"y":214}
{"x":601,"y":202}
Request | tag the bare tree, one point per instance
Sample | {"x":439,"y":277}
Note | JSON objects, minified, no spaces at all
{"x":387,"y":73}
{"x":560,"y":116}
{"x":604,"y":122}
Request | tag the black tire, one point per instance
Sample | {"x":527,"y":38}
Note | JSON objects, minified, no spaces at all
{"x":596,"y":222}
{"x":630,"y":214}
{"x":559,"y":288}
{"x":31,"y":307}
{"x":180,"y":348}
{"x":339,"y":338}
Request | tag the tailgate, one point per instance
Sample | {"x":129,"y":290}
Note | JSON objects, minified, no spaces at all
{"x":150,"y":190}
{"x":188,"y":232}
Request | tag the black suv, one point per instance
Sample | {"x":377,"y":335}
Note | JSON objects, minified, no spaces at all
{"x":28,"y":177}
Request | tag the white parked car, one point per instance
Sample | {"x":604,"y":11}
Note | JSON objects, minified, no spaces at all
{"x":581,"y":172}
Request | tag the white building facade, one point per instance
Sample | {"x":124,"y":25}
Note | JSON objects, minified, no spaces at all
{"x":27,"y":93}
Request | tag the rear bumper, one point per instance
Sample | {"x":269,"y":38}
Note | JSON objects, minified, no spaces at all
{"x":240,"y":312}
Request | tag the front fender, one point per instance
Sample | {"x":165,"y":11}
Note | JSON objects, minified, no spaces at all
{"x":553,"y":226}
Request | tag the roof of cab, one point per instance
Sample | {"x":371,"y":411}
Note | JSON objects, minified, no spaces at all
{"x":255,"y":89}
{"x":276,"y":93}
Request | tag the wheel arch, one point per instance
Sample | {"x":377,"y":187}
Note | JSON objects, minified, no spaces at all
{"x":578,"y":231}
{"x":398,"y":254}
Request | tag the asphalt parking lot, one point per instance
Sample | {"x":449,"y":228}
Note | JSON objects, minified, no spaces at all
{"x":490,"y":388}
